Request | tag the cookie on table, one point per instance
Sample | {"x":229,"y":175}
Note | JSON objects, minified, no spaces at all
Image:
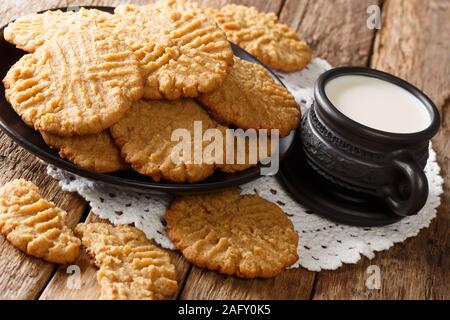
{"x":96,"y":152}
{"x":260,"y":34}
{"x":144,"y":136}
{"x":182,"y":51}
{"x":251,"y":99}
{"x":78,"y":84}
{"x":34,"y":225}
{"x":130,"y":266}
{"x":31,"y":31}
{"x":233,"y":234}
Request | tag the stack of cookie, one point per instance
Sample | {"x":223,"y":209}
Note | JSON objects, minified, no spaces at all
{"x":108,"y":90}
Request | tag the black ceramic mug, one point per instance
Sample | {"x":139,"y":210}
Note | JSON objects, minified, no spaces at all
{"x":387,"y":165}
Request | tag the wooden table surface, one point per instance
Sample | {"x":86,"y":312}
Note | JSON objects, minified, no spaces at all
{"x":413,"y":43}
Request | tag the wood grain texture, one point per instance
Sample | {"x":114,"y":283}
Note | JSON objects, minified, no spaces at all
{"x":267,"y":6}
{"x":58,"y":288}
{"x":414,"y":43}
{"x":203,"y":284}
{"x":335,"y":30}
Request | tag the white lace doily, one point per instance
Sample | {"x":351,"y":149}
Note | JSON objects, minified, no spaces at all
{"x":323,"y":244}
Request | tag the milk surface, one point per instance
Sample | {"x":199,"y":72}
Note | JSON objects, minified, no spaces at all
{"x":377,"y":104}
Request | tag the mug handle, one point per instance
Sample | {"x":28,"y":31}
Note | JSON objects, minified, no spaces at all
{"x":403,"y":163}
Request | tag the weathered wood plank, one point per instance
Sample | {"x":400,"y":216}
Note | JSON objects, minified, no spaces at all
{"x":58,"y":288}
{"x":336,"y":30}
{"x":414,"y":43}
{"x":208,"y":285}
{"x":267,"y":6}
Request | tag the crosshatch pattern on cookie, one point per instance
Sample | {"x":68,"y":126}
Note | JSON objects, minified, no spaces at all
{"x":260,"y":34}
{"x":238,"y":235}
{"x":78,"y":84}
{"x":130,"y":266}
{"x":34,"y":225}
{"x":145,"y":138}
{"x":96,"y":152}
{"x":31,"y":31}
{"x":182,"y":51}
{"x":251,"y":99}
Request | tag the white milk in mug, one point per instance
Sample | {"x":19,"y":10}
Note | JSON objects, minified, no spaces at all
{"x":377,"y":104}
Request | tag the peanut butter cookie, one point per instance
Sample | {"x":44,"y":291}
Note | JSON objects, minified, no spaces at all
{"x":96,"y":152}
{"x":78,"y":84}
{"x":251,"y":99}
{"x":130,"y":266}
{"x":30,"y":32}
{"x":145,"y":138}
{"x":182,"y":52}
{"x":260,"y":34}
{"x":247,"y":152}
{"x":242,"y":235}
{"x":34,"y":225}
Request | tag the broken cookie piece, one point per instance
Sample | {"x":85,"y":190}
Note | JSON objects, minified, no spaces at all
{"x":34,"y":225}
{"x":130,"y":266}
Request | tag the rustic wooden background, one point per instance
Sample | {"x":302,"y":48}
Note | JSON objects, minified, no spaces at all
{"x":413,"y":43}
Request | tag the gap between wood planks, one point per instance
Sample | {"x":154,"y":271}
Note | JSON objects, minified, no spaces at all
{"x":375,"y":34}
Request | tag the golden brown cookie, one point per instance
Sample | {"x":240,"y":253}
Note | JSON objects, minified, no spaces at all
{"x":251,"y":99}
{"x":246,"y":152}
{"x":78,"y":84}
{"x":96,"y":152}
{"x":183,"y":53}
{"x":242,"y":235}
{"x":130,"y":266}
{"x":260,"y":34}
{"x":30,"y":32}
{"x":145,"y":138}
{"x":34,"y":225}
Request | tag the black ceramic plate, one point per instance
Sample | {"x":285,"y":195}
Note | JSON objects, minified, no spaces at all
{"x":31,"y":140}
{"x":328,"y":199}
